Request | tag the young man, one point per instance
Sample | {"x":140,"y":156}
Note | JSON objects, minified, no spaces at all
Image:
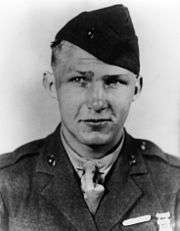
{"x":90,"y":174}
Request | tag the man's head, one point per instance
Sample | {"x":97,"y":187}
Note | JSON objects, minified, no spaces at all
{"x":95,"y":87}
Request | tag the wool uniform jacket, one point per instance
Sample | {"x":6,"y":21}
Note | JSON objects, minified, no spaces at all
{"x":40,"y":190}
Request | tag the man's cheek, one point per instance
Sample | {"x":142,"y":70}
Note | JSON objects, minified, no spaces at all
{"x":69,"y":111}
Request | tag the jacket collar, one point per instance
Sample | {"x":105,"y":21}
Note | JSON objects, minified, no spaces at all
{"x":123,"y":185}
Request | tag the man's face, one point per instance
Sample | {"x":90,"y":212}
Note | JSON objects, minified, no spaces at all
{"x":94,"y":97}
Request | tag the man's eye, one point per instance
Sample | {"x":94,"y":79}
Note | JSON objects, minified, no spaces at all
{"x":79,"y":79}
{"x":115,"y":82}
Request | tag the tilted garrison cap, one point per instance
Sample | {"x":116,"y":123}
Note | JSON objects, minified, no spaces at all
{"x":107,"y":33}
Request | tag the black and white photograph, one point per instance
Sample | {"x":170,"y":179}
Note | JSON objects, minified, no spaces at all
{"x":90,"y":115}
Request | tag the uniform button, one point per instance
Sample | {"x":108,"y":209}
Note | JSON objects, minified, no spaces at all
{"x":51,"y":160}
{"x":91,"y":33}
{"x":143,"y":146}
{"x":132,"y":160}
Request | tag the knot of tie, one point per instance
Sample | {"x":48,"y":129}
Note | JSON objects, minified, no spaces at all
{"x":93,"y":191}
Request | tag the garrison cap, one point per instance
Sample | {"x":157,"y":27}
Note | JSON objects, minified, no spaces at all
{"x":106,"y":33}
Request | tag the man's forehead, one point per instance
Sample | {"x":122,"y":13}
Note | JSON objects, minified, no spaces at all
{"x":71,"y":52}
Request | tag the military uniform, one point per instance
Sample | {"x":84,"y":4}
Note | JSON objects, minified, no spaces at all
{"x":40,"y":189}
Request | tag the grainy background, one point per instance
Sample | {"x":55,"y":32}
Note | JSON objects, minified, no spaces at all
{"x":26,"y":29}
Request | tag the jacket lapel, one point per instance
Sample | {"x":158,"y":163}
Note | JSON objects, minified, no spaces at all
{"x":125,"y":186}
{"x":62,"y":188}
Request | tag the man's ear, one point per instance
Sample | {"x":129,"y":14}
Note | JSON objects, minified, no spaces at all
{"x":49,"y":83}
{"x":138,"y":87}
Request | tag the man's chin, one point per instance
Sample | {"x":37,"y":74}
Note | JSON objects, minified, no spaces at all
{"x":96,"y":139}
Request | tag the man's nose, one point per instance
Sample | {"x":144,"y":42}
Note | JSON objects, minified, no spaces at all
{"x":97,"y":97}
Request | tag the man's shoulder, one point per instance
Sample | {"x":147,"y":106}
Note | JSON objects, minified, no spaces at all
{"x":156,"y":159}
{"x":162,"y":168}
{"x":153,"y":152}
{"x":19,"y":168}
{"x":27,"y":150}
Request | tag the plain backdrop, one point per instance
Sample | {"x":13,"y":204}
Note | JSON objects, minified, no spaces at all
{"x":26,"y":29}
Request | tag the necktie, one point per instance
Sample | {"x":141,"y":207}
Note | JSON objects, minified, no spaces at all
{"x":93,"y":191}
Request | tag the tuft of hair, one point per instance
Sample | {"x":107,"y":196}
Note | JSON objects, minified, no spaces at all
{"x":55,"y":51}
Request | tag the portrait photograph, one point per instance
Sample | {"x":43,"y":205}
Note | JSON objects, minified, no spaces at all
{"x":90,"y":115}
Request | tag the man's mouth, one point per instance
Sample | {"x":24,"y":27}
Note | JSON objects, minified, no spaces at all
{"x":96,"y":122}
